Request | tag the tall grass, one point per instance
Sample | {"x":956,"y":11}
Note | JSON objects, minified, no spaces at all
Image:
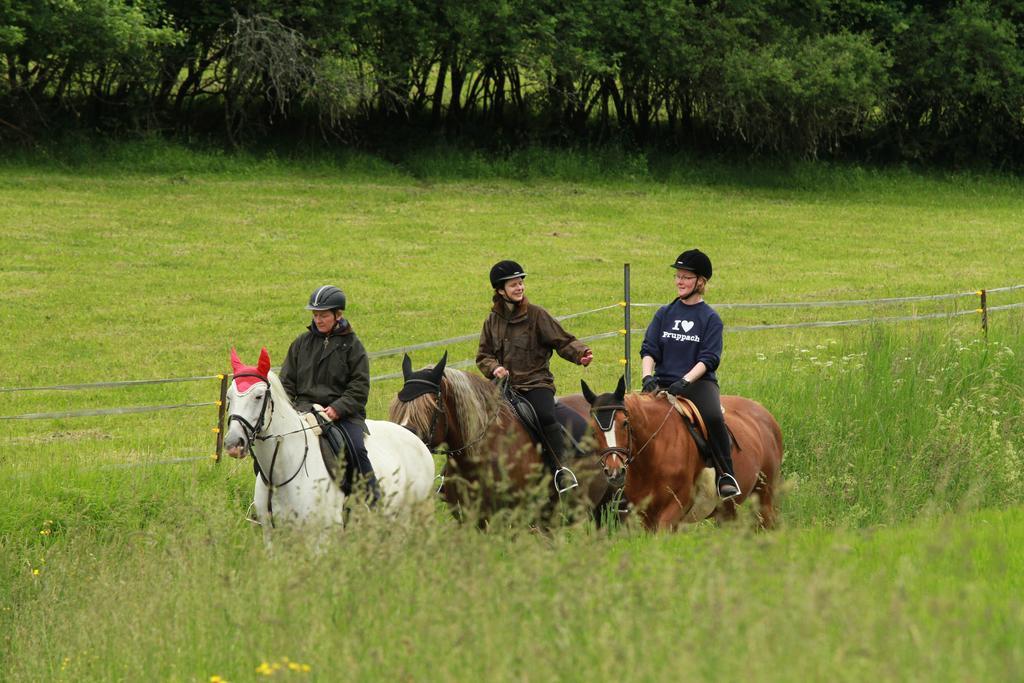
{"x":441,"y":602}
{"x":895,"y":557}
{"x":927,"y":422}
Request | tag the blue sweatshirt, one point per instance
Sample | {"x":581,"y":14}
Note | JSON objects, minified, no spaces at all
{"x":679,"y":337}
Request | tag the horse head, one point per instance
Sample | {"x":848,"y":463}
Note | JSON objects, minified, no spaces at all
{"x":250,"y":407}
{"x":610,"y":420}
{"x":419,"y":406}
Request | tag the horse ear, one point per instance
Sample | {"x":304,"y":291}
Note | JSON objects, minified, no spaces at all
{"x":587,"y":393}
{"x":620,"y":389}
{"x":236,"y":362}
{"x":263,"y":366}
{"x":438,"y":373}
{"x":406,"y":367}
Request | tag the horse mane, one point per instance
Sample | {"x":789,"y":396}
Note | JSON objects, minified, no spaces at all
{"x":278,"y":393}
{"x":647,"y":412}
{"x":474,"y":400}
{"x":636,"y":404}
{"x":640,"y":404}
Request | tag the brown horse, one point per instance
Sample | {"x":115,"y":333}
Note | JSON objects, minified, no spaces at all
{"x":643,"y":442}
{"x":492,"y":460}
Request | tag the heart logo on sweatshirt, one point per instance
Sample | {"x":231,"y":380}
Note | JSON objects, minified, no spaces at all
{"x":687,"y":325}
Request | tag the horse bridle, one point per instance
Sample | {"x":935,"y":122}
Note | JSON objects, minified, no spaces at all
{"x":439,"y":411}
{"x":624,"y":454}
{"x":250,"y":430}
{"x":254,"y":432}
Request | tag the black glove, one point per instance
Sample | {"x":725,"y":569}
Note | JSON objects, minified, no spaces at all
{"x":648,"y":384}
{"x":678,"y":387}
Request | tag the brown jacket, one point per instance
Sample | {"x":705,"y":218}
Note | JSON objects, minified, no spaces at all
{"x":522,"y":341}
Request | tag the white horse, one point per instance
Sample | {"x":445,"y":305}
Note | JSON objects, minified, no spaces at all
{"x":293,"y":485}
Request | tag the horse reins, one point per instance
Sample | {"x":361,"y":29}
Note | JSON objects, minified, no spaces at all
{"x":437,"y":408}
{"x":625,"y":455}
{"x":253,"y":432}
{"x":438,"y":411}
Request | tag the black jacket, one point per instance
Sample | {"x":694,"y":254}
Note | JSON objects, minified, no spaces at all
{"x":332,"y":370}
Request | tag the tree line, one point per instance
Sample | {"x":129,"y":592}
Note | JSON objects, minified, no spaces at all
{"x":930,"y":82}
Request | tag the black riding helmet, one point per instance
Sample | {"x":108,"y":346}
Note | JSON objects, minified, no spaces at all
{"x":326,"y":298}
{"x":505,"y":270}
{"x":695,"y":261}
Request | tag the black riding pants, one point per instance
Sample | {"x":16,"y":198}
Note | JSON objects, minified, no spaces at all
{"x":543,"y":402}
{"x":705,"y":395}
{"x":354,"y":430}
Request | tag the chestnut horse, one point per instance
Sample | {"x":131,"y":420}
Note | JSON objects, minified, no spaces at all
{"x":643,"y":440}
{"x":492,"y":461}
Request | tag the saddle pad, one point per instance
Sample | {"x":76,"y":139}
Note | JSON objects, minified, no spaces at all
{"x":525,"y":412}
{"x":574,"y":425}
{"x":335,"y":447}
{"x":312,"y":423}
{"x":688,"y":410}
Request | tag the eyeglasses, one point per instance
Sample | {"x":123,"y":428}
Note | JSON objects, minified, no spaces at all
{"x":687,"y":278}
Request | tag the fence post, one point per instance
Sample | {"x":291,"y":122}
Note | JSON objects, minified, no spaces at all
{"x":984,"y":312}
{"x":626,"y":331}
{"x":221,"y":409}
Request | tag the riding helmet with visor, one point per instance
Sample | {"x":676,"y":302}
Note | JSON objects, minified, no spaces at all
{"x":695,"y":261}
{"x":505,"y":270}
{"x":326,"y":298}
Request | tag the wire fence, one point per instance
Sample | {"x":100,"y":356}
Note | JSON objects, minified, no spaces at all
{"x":983,"y":309}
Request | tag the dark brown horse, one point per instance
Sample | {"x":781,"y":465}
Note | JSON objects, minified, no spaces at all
{"x":643,"y":441}
{"x":492,"y":460}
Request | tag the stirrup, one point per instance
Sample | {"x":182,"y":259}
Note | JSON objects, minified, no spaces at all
{"x":726,"y":479}
{"x":569,"y":486}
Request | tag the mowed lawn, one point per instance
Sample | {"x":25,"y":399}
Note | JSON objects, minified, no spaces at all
{"x":896,"y":557}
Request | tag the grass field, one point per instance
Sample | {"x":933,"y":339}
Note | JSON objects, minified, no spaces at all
{"x":898,"y":554}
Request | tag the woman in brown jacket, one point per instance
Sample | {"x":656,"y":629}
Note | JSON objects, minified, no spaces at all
{"x":516,"y":343}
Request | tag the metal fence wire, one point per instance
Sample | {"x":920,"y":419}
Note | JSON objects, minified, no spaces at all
{"x":626,"y":331}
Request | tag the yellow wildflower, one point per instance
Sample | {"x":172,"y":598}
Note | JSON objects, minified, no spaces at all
{"x":35,"y":572}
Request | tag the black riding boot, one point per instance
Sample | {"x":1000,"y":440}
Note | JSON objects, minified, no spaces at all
{"x":373,"y":493}
{"x":361,"y":460}
{"x":553,"y":453}
{"x":728,"y":487}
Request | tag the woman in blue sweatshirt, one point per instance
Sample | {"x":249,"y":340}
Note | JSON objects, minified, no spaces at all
{"x":681,"y":351}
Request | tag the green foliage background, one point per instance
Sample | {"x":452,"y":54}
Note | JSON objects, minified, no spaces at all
{"x":872,"y":79}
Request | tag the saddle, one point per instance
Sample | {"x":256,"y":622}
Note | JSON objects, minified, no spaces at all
{"x":573,"y":425}
{"x":334,"y":445}
{"x":695,"y":425}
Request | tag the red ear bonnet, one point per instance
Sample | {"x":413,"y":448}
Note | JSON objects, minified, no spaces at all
{"x":236,"y":362}
{"x":263,"y":366}
{"x":247,"y":371}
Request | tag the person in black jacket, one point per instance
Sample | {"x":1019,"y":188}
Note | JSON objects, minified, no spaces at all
{"x":328,"y":365}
